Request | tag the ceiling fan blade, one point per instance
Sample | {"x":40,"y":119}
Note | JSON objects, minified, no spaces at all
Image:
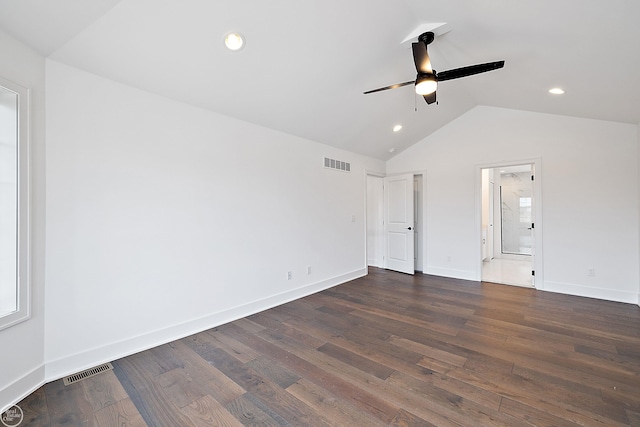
{"x":430,"y":98}
{"x":457,"y":73}
{"x":421,"y":58}
{"x":391,"y":87}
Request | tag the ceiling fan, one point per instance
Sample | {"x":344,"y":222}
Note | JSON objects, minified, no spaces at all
{"x":426,"y":81}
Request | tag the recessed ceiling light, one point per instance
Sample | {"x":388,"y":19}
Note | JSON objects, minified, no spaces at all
{"x":391,"y":150}
{"x":234,"y":41}
{"x":397,"y":128}
{"x":556,"y":91}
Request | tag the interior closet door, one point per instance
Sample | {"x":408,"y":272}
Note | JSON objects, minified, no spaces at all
{"x":398,"y":223}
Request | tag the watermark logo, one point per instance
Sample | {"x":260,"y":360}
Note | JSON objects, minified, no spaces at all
{"x":12,"y":417}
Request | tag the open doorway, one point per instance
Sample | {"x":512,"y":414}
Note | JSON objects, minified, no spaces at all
{"x":508,"y":200}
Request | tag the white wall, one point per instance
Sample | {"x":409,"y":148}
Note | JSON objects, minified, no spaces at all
{"x":22,"y":351}
{"x":589,"y":194}
{"x":164,"y":219}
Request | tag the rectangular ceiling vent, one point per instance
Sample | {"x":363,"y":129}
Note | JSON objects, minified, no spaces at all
{"x":337,"y":165}
{"x":72,"y":379}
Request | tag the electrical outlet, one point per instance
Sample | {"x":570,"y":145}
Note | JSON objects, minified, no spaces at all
{"x":308,"y":270}
{"x":289,"y":275}
{"x":591,"y":272}
{"x":448,"y":258}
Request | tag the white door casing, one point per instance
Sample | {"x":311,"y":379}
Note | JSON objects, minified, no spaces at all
{"x":398,"y":223}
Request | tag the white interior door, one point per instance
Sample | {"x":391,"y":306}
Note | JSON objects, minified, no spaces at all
{"x":398,"y":223}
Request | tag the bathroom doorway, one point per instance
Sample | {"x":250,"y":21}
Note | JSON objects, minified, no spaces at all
{"x":508,"y":210}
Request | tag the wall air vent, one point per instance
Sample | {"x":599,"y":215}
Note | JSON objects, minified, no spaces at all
{"x":337,"y":165}
{"x":72,"y":379}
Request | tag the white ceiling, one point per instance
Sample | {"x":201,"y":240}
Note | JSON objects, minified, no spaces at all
{"x":306,"y":63}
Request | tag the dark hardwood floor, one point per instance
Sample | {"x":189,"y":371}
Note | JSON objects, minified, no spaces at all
{"x":384,"y":350}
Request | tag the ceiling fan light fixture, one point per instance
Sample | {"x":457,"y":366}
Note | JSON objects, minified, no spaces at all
{"x":234,"y":41}
{"x":426,"y":84}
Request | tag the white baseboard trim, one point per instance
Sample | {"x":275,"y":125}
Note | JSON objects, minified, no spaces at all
{"x":375,"y":263}
{"x":452,"y":273}
{"x":21,"y":388}
{"x":56,"y":369}
{"x":585,"y":291}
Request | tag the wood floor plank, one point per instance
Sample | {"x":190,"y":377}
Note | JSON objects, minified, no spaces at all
{"x":538,"y":395}
{"x":150,"y":398}
{"x":530,"y":416}
{"x":103,"y":390}
{"x":303,"y":336}
{"x":245,"y":411}
{"x":581,"y":396}
{"x":179,"y":387}
{"x":233,"y":347}
{"x":451,"y":405}
{"x":276,"y":398}
{"x":122,"y":414}
{"x":427,"y":351}
{"x":385,"y":349}
{"x":407,"y":419}
{"x":156,"y":361}
{"x":276,"y":372}
{"x":340,"y":411}
{"x":35,"y":410}
{"x":68,"y":404}
{"x":303,"y":361}
{"x":634,"y":418}
{"x":361,"y":387}
{"x":209,"y":380}
{"x":357,"y":361}
{"x":542,"y":353}
{"x":207,"y":412}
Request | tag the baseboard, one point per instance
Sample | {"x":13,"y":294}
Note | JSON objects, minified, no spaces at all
{"x":375,"y":263}
{"x":585,"y":291}
{"x":21,"y":388}
{"x":56,"y":369}
{"x":452,"y":273}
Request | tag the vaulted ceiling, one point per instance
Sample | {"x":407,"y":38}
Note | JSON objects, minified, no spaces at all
{"x":306,"y":63}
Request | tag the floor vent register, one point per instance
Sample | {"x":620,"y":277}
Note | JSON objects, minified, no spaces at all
{"x":72,"y":379}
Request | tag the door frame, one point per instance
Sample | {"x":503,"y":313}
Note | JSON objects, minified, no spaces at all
{"x":421,"y":222}
{"x":367,"y":220}
{"x":537,"y":231}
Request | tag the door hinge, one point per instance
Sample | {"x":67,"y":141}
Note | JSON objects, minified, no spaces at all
{"x":533,"y":272}
{"x":532,"y":179}
{"x":533,"y":225}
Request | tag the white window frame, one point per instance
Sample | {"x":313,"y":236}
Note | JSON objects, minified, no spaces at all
{"x":23,"y":309}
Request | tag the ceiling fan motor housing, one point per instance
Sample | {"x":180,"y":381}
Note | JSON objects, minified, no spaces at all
{"x":426,"y":38}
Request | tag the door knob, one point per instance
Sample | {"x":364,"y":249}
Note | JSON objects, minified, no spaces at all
{"x":408,"y":228}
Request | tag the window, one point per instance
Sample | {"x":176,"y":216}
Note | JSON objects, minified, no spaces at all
{"x":14,"y":204}
{"x":525,"y":210}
